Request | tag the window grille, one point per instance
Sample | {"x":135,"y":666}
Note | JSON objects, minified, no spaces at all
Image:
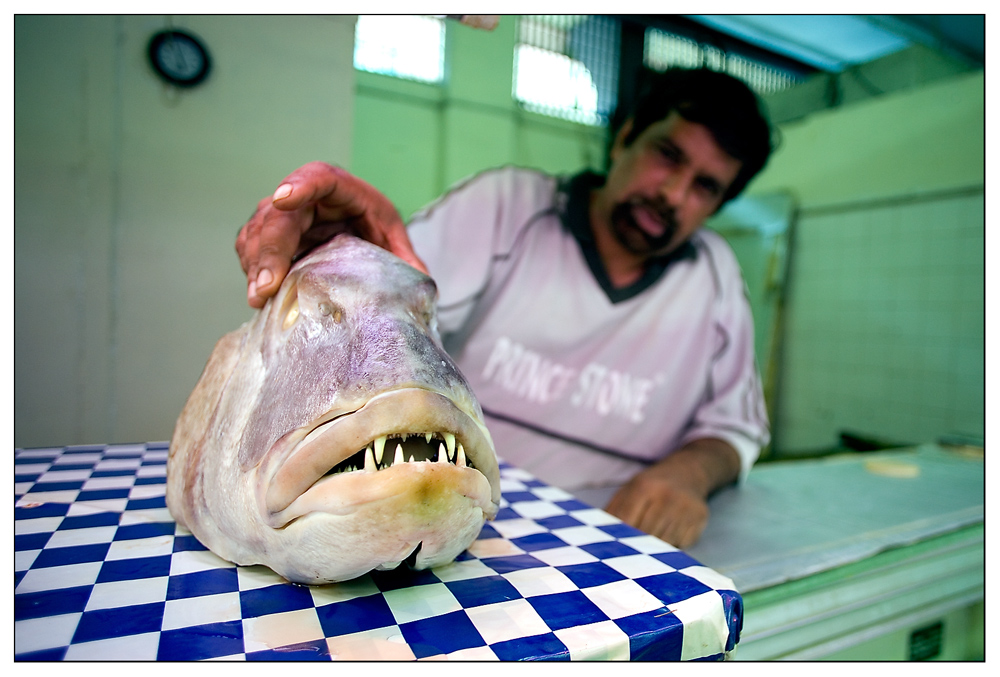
{"x":410,"y":47}
{"x":566,"y":66}
{"x":663,"y":50}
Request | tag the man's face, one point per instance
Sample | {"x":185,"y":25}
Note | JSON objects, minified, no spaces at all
{"x":663,"y":186}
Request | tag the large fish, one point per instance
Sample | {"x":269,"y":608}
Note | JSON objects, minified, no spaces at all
{"x":331,"y":434}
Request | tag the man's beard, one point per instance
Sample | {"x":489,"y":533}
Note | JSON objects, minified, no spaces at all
{"x":636,"y":240}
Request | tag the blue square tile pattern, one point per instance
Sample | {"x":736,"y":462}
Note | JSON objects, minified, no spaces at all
{"x":506,"y":596}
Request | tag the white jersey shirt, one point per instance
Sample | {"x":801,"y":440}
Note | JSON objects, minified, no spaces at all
{"x":584,"y":385}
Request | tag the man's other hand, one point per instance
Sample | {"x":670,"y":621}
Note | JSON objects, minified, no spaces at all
{"x":670,"y":499}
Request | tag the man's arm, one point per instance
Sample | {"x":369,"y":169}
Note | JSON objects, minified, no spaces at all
{"x":311,"y":205}
{"x":670,"y":499}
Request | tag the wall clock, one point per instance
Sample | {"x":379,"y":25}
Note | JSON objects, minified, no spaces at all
{"x":179,"y":58}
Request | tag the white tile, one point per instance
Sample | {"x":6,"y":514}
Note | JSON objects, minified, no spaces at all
{"x":602,"y":641}
{"x":619,"y":599}
{"x":38,"y":525}
{"x":507,"y":620}
{"x":648,"y":544}
{"x":421,"y":602}
{"x":118,"y":464}
{"x":63,"y":475}
{"x":464,"y":570}
{"x":281,"y":629}
{"x":36,"y":634}
{"x":154,"y":546}
{"x":114,"y":594}
{"x":536,"y":510}
{"x":35,"y":498}
{"x":494,"y":547}
{"x":557,"y":557}
{"x":379,"y":644}
{"x":341,"y":592}
{"x":98,"y":506}
{"x":539,"y":581}
{"x":50,"y":453}
{"x":635,"y":566}
{"x":88,"y":536}
{"x":255,"y":577}
{"x":78,"y":459}
{"x":709,"y":577}
{"x":582,"y":535}
{"x":132,"y":648}
{"x":125,"y":449}
{"x":595,"y":517}
{"x":508,"y":484}
{"x":114,"y":482}
{"x":147,"y":491}
{"x":192,"y":611}
{"x":23,"y":559}
{"x":189,"y":561}
{"x":57,"y":578}
{"x":552,"y":494}
{"x":705,"y":628}
{"x":515,"y":528}
{"x":151,"y":516}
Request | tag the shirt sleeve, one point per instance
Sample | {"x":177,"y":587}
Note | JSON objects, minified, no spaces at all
{"x":733,"y":407}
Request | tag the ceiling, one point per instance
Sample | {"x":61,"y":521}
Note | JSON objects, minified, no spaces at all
{"x":833,"y":43}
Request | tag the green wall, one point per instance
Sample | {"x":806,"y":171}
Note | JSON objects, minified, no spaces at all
{"x":413,"y":140}
{"x":885,"y":325}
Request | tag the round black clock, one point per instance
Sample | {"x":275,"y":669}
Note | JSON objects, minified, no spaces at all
{"x":179,"y":58}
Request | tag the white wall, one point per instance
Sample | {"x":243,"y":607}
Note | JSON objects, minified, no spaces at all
{"x":128,"y":197}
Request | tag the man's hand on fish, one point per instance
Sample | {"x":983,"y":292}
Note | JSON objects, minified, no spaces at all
{"x":669,"y":499}
{"x":310,"y":206}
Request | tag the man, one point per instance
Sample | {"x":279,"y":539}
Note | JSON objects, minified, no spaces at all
{"x":607,"y":337}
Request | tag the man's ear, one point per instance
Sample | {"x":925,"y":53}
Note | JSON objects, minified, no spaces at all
{"x":619,"y":142}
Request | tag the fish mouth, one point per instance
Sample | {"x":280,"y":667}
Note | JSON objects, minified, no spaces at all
{"x":348,"y":459}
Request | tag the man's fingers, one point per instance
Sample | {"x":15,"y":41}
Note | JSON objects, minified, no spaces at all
{"x":276,"y":244}
{"x":339,"y":196}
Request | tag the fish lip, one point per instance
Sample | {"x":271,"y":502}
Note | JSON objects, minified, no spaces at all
{"x":407,"y":410}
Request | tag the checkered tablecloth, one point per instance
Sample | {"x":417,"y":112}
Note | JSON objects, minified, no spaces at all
{"x":103,"y":572}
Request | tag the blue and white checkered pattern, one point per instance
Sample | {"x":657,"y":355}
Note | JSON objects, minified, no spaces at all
{"x":103,"y":572}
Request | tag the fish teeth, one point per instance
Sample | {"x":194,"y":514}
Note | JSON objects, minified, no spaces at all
{"x":449,"y":440}
{"x":429,"y":437}
{"x":379,"y":445}
{"x":370,"y":460}
{"x":442,"y":454}
{"x":461,"y":456}
{"x":398,"y":458}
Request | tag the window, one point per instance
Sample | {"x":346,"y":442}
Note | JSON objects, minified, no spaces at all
{"x":567,"y":66}
{"x":410,"y":47}
{"x":663,"y":50}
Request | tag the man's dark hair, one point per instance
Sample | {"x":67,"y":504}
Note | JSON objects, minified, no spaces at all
{"x":725,"y":105}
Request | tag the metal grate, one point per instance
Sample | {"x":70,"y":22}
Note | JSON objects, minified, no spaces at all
{"x":410,"y":47}
{"x":566,"y":66}
{"x":661,"y":50}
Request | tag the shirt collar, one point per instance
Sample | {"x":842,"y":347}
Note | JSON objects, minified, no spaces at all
{"x":573,"y":202}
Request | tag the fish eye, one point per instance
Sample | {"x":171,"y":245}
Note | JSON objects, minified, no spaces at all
{"x":332,"y":311}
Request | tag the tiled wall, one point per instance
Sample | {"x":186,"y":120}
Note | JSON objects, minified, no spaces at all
{"x":885,"y":324}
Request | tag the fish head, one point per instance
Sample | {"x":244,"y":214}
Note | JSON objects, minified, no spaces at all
{"x":353,"y":437}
